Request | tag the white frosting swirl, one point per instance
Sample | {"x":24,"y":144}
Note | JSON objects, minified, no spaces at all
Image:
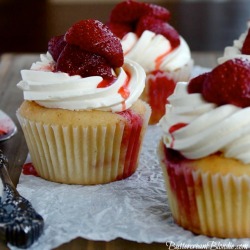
{"x":60,"y":90}
{"x":154,"y":52}
{"x":209,"y":128}
{"x":234,"y":51}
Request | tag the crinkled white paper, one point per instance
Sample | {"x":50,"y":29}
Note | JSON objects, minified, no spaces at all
{"x":135,"y":209}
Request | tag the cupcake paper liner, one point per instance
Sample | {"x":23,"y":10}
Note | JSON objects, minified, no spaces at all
{"x":83,"y":155}
{"x":210,"y":204}
{"x":214,"y":206}
{"x":158,"y":95}
{"x":182,"y":74}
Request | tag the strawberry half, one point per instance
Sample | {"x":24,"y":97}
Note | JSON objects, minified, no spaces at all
{"x":119,"y":29}
{"x":75,"y":61}
{"x":196,"y":84}
{"x":127,"y":11}
{"x":55,"y":46}
{"x":95,"y":37}
{"x":131,"y":11}
{"x":159,"y":27}
{"x":156,"y":11}
{"x":246,"y":45}
{"x":137,"y":17}
{"x":228,"y":83}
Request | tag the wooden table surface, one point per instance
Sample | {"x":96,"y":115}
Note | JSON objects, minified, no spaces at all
{"x":16,"y":150}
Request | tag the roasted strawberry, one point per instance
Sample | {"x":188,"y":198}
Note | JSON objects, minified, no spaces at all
{"x":75,"y":61}
{"x":156,"y":11}
{"x":95,"y":37}
{"x":159,"y":27}
{"x":55,"y":46}
{"x":131,"y":11}
{"x":246,"y":45}
{"x":196,"y":84}
{"x":120,"y":29}
{"x":127,"y":11}
{"x":228,"y":83}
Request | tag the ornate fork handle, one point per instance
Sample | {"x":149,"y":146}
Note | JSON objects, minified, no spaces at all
{"x":20,"y":224}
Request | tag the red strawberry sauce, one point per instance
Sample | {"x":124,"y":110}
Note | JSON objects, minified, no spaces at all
{"x":106,"y":82}
{"x":182,"y":185}
{"x":28,"y":169}
{"x":177,"y":126}
{"x":132,"y":141}
{"x":160,"y":87}
{"x":123,"y":91}
{"x":159,"y":59}
{"x":173,"y":128}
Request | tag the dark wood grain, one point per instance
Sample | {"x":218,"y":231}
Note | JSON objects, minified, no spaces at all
{"x":10,"y":99}
{"x":16,"y":150}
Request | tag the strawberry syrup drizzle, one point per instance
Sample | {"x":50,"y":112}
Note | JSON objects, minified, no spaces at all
{"x":177,"y":126}
{"x":49,"y":67}
{"x":132,"y":140}
{"x":106,"y":82}
{"x":182,"y":186}
{"x":29,"y":169}
{"x":160,"y":87}
{"x":123,"y":90}
{"x":173,"y":128}
{"x":159,"y":59}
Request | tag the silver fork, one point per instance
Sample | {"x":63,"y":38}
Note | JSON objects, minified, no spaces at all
{"x":20,"y":224}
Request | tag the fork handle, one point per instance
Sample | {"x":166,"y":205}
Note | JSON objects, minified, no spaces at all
{"x":4,"y":174}
{"x":20,"y":224}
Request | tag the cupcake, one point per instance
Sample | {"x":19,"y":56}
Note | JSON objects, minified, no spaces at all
{"x":240,"y":47}
{"x":205,"y":151}
{"x":148,"y":38}
{"x":81,"y":116}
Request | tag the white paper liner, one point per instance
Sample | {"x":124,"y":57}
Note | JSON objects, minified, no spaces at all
{"x":135,"y":209}
{"x":182,"y":74}
{"x":214,"y":195}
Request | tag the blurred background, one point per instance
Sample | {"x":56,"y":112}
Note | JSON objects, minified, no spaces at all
{"x":207,"y":25}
